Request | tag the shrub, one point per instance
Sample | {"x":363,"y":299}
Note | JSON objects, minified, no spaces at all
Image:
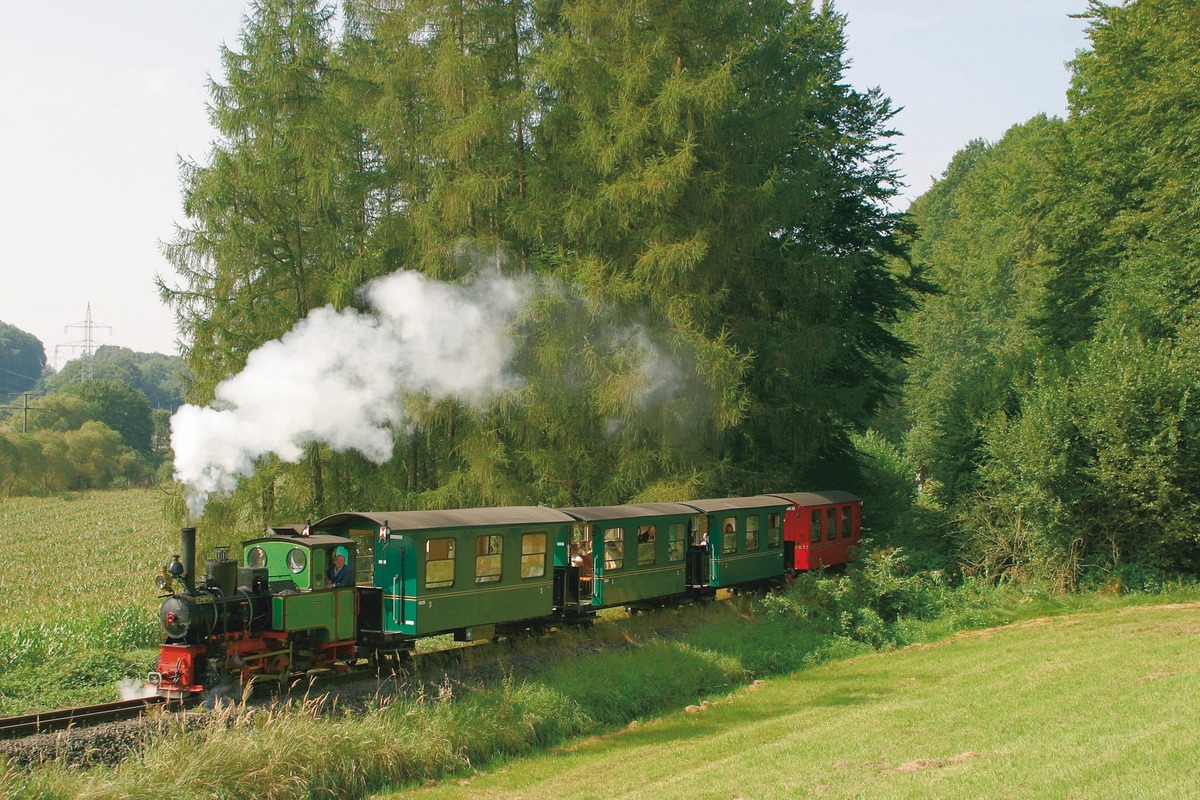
{"x":866,"y":603}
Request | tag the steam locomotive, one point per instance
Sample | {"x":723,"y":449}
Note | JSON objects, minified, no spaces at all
{"x":474,"y":574}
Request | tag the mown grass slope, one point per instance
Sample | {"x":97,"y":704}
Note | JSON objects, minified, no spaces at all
{"x":1092,"y":705}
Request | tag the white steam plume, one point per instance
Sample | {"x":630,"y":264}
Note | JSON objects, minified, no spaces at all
{"x":337,"y":377}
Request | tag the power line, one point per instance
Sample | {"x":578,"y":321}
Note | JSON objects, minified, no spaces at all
{"x":19,"y":375}
{"x":25,"y":408}
{"x":87,"y":344}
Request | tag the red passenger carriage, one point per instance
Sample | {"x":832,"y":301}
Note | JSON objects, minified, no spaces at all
{"x":822,"y":529}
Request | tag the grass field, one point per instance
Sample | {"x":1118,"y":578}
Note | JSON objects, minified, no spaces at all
{"x":1092,"y":705}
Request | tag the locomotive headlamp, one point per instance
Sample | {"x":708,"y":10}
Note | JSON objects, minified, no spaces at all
{"x":163,"y":579}
{"x":169,"y":573}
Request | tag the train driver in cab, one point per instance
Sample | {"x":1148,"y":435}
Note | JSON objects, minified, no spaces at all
{"x":339,"y":573}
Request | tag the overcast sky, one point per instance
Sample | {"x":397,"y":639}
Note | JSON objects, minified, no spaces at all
{"x":99,"y":100}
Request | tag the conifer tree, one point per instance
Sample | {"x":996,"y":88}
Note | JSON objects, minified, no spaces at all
{"x":691,"y":183}
{"x":278,"y":211}
{"x":708,"y":160}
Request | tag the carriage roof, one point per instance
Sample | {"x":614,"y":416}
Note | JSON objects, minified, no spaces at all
{"x":450,"y":518}
{"x":738,"y":503}
{"x":632,"y":511}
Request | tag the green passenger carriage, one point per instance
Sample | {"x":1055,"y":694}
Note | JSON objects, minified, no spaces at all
{"x":630,"y":555}
{"x":742,"y":540}
{"x":474,"y":573}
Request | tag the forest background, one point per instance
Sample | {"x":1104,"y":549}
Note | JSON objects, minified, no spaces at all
{"x":696,"y":194}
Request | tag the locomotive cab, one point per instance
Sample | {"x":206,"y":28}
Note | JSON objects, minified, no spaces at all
{"x":298,"y":563}
{"x":277,"y":615}
{"x":304,"y":602}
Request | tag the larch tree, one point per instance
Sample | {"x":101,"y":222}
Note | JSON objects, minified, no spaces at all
{"x":696,"y":193}
{"x":276,"y":212}
{"x":708,"y":161}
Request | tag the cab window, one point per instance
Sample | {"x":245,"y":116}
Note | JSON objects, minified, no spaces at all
{"x":297,"y":560}
{"x":256,"y":557}
{"x":439,"y":563}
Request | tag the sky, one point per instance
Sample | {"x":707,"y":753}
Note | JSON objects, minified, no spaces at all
{"x":100,"y":101}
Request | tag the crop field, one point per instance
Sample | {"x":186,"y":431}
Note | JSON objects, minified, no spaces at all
{"x":80,"y":554}
{"x":76,"y":579}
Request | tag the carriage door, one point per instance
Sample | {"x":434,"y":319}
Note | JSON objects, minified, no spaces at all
{"x":390,"y":576}
{"x":698,"y":552}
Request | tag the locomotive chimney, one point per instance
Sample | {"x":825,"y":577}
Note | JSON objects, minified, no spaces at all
{"x":187,"y":549}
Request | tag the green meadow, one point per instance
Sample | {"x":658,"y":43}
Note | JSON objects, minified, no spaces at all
{"x":1091,"y":705}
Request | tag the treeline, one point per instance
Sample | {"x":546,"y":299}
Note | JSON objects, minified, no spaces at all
{"x":1054,"y":404}
{"x":101,"y":422}
{"x":700,"y":169}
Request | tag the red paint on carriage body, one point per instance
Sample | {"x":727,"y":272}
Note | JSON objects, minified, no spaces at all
{"x":822,"y":529}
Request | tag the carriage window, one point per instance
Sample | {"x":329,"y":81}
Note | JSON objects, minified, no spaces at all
{"x":439,"y":563}
{"x":257,"y":557}
{"x":774,"y":533}
{"x":815,"y":527}
{"x":533,"y":555}
{"x":297,"y":560}
{"x":752,"y":523}
{"x":614,"y":548}
{"x":831,"y":523}
{"x":676,"y":536}
{"x":646,"y":537}
{"x":489,"y":551}
{"x":729,"y":535}
{"x":846,"y":522}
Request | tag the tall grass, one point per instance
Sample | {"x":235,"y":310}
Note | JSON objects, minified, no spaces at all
{"x":289,"y":752}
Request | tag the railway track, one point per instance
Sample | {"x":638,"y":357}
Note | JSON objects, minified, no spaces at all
{"x":84,"y":716}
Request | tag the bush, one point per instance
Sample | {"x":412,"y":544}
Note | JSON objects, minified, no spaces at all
{"x":866,"y":603}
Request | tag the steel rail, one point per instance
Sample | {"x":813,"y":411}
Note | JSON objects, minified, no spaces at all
{"x":83,"y":716}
